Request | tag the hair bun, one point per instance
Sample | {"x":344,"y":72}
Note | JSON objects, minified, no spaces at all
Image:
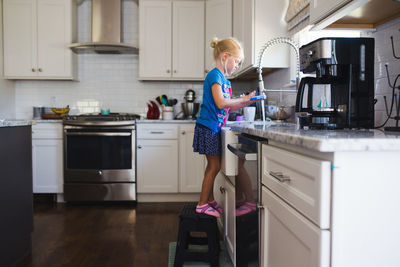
{"x":214,"y":42}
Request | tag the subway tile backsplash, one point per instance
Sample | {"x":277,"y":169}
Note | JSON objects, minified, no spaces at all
{"x":384,"y":56}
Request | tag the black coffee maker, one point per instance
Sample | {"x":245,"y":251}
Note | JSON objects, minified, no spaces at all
{"x":341,"y":95}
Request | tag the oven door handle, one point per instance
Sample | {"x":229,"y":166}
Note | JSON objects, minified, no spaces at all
{"x":241,"y":153}
{"x":98,"y":134}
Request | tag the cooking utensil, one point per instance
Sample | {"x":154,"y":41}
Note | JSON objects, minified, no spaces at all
{"x":164,"y":100}
{"x":172,"y":102}
{"x":279,"y":112}
{"x":158,"y":99}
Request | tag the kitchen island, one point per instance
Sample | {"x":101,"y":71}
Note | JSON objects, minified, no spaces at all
{"x":16,"y":211}
{"x":330,"y":197}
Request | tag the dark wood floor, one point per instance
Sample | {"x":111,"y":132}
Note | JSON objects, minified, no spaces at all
{"x":102,"y":235}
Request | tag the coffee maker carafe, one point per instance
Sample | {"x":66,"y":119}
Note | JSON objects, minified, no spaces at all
{"x":341,"y":95}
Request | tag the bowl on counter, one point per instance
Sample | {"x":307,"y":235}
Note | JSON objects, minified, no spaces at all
{"x":190,"y":109}
{"x":279,"y":112}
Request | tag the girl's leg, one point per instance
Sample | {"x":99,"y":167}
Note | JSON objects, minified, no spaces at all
{"x":212,"y":169}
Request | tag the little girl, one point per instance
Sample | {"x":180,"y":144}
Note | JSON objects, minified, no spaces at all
{"x":216,"y":105}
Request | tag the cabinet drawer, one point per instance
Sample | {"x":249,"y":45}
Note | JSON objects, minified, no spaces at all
{"x":288,"y":238}
{"x":47,"y":130}
{"x":303,"y":182}
{"x":157,"y":131}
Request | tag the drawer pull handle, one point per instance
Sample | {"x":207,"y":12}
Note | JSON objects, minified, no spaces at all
{"x":154,"y":132}
{"x":279,"y":176}
{"x":222,"y":189}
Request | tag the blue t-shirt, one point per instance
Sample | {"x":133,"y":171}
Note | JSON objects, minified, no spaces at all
{"x":210,"y":115}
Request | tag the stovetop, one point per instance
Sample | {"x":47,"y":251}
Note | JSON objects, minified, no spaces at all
{"x":97,"y":119}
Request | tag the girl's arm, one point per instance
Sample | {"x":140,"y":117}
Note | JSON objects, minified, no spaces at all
{"x":233,"y":104}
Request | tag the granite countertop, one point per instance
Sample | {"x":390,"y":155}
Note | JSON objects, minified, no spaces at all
{"x":165,"y":121}
{"x":47,"y":121}
{"x":322,"y":140}
{"x":13,"y":123}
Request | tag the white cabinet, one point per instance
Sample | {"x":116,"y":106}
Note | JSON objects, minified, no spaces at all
{"x":329,"y":208}
{"x":155,"y":39}
{"x":307,"y":186}
{"x":218,"y":24}
{"x":254,"y":28}
{"x":157,"y":158}
{"x":296,"y":216}
{"x":191,"y":164}
{"x":166,"y":162}
{"x":47,"y":158}
{"x":171,"y":40}
{"x":36,"y":38}
{"x":289,"y":239}
{"x":326,"y":12}
{"x":157,"y":162}
{"x":230,"y":218}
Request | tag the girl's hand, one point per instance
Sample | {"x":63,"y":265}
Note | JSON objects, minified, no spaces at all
{"x":247,"y":97}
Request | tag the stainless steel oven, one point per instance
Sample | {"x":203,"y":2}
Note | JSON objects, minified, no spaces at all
{"x":99,"y":158}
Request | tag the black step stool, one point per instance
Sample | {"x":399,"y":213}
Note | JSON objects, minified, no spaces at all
{"x":190,"y":221}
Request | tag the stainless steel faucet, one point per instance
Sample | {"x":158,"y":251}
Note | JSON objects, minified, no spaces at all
{"x":274,"y":41}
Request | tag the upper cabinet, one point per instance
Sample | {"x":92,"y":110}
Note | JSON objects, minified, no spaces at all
{"x":171,"y":40}
{"x":358,"y":14}
{"x":36,"y":38}
{"x":255,"y":22}
{"x":218,"y":25}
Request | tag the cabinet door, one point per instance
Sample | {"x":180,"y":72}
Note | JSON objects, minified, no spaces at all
{"x":218,"y":24}
{"x":191,"y":164}
{"x":20,"y":51}
{"x":155,"y":24}
{"x":288,"y":238}
{"x":54,"y":36}
{"x":322,"y":8}
{"x":243,"y":28}
{"x":157,"y":162}
{"x":188,"y":39}
{"x":47,"y":165}
{"x":230,"y":219}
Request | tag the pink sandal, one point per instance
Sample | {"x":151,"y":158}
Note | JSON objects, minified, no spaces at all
{"x":216,"y":206}
{"x":247,"y":207}
{"x":207,"y":209}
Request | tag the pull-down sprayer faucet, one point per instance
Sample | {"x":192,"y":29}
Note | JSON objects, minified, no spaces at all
{"x":274,"y":41}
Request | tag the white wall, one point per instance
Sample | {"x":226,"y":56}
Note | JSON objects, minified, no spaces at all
{"x":109,"y":79}
{"x":7,"y":91}
{"x":384,"y":55}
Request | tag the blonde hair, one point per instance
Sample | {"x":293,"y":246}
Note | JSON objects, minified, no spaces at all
{"x":230,"y":45}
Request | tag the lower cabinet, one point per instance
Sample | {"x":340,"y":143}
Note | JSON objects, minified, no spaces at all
{"x":230,"y":219}
{"x":295,"y":220}
{"x":166,"y":162}
{"x":157,"y":166}
{"x":16,"y":209}
{"x":289,"y":239}
{"x":47,"y":158}
{"x":191,"y":164}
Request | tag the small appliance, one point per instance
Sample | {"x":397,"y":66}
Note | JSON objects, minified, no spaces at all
{"x":190,"y":108}
{"x":341,"y":95}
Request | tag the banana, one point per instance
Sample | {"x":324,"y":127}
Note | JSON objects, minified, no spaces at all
{"x":60,"y":111}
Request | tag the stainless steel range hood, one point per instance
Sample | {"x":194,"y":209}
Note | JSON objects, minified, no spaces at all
{"x":106,"y":31}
